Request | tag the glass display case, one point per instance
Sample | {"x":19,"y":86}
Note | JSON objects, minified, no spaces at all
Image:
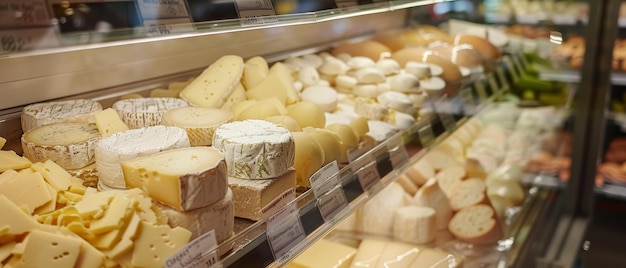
{"x":522,"y":121}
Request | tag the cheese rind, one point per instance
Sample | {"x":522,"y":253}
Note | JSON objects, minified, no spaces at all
{"x":126,"y":145}
{"x":184,"y":178}
{"x":199,"y":122}
{"x":212,"y":87}
{"x":251,"y":196}
{"x":71,"y":145}
{"x":145,"y":112}
{"x":40,"y":114}
{"x":255,"y":149}
{"x":218,"y":216}
{"x":14,"y":221}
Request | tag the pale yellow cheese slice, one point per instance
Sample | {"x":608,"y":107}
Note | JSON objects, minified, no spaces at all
{"x":109,"y":122}
{"x":55,"y":175}
{"x":156,"y":243}
{"x":27,"y":190}
{"x":255,"y":71}
{"x":51,"y":250}
{"x":10,"y":160}
{"x":323,"y":254}
{"x":216,"y":83}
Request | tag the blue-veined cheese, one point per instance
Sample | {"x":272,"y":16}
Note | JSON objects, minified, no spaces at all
{"x":40,"y":114}
{"x":130,"y":144}
{"x":255,"y":149}
{"x":145,"y":112}
{"x":70,"y":145}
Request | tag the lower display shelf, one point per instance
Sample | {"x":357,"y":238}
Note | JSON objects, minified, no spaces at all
{"x":612,"y":191}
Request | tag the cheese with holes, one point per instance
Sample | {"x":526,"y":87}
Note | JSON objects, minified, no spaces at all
{"x":212,"y":87}
{"x":309,"y":157}
{"x":14,"y":221}
{"x":27,"y":190}
{"x":199,"y":122}
{"x":238,"y":95}
{"x":145,"y":112}
{"x":130,"y":144}
{"x":254,"y":71}
{"x":323,"y":254}
{"x":51,"y":250}
{"x":40,"y":114}
{"x":109,"y":122}
{"x":54,"y":174}
{"x":10,"y":160}
{"x":255,"y":149}
{"x":184,"y":178}
{"x":253,"y":195}
{"x":218,"y":216}
{"x":156,"y":243}
{"x":414,"y":224}
{"x":71,"y":145}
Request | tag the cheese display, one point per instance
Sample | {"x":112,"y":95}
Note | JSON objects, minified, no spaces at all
{"x":211,"y":88}
{"x":334,"y":255}
{"x":130,"y":144}
{"x":218,"y":216}
{"x":251,"y":196}
{"x":71,"y":145}
{"x":45,"y":113}
{"x":145,"y":112}
{"x":255,"y":149}
{"x":414,"y":224}
{"x":199,"y":122}
{"x":182,"y":178}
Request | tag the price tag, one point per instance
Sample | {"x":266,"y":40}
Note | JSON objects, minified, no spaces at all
{"x":368,"y":175}
{"x":363,"y":147}
{"x":28,"y":39}
{"x":481,"y":91}
{"x":255,"y":12}
{"x":493,"y":83}
{"x":24,"y":13}
{"x":346,"y":3}
{"x":426,"y":135}
{"x":332,"y":202}
{"x":168,"y":26}
{"x":284,"y":233}
{"x":162,"y":9}
{"x":279,"y":202}
{"x":398,"y":155}
{"x":325,"y":179}
{"x":199,"y":253}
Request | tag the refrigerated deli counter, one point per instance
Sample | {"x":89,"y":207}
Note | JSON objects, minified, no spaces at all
{"x":293,"y":134}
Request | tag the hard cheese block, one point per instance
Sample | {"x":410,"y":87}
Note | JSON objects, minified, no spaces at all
{"x":219,"y":216}
{"x":255,"y":149}
{"x":40,"y":114}
{"x":199,"y":122}
{"x":323,"y":254}
{"x":253,"y":195}
{"x":71,"y":145}
{"x":126,"y":145}
{"x":145,"y":112}
{"x":212,"y":87}
{"x":184,"y":178}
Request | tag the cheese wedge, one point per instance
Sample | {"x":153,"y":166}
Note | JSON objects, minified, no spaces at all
{"x":199,"y":122}
{"x":109,"y":122}
{"x":212,"y":87}
{"x":255,"y":70}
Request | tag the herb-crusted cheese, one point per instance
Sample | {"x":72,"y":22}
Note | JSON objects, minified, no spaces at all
{"x":255,"y":149}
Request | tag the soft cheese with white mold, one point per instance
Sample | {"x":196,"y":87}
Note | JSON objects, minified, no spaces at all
{"x":45,"y":113}
{"x":145,"y":112}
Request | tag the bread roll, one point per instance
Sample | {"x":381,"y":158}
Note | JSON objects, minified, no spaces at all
{"x":476,"y":224}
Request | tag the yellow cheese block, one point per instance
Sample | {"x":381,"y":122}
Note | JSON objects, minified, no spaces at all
{"x":255,"y":71}
{"x":285,"y":121}
{"x":307,"y":114}
{"x":156,"y":243}
{"x":216,"y":83}
{"x":10,"y":160}
{"x":113,"y":216}
{"x":27,"y":190}
{"x":309,"y":157}
{"x":324,"y":254}
{"x":55,"y":175}
{"x":274,"y":85}
{"x":109,"y":122}
{"x":348,"y":139}
{"x":238,"y":95}
{"x":199,"y":122}
{"x":263,"y":109}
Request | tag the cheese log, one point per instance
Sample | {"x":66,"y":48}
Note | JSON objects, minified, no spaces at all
{"x":476,"y":224}
{"x":309,"y":157}
{"x":218,"y":216}
{"x":160,"y":241}
{"x":468,"y":193}
{"x":334,"y":255}
{"x":420,"y":172}
{"x":377,"y":214}
{"x":212,"y":87}
{"x":183,"y":178}
{"x":255,"y":149}
{"x":251,"y":196}
{"x":199,"y":122}
{"x":130,"y":144}
{"x":109,"y":122}
{"x":145,"y":112}
{"x":71,"y":145}
{"x":40,"y":114}
{"x":430,"y":195}
{"x":414,"y":224}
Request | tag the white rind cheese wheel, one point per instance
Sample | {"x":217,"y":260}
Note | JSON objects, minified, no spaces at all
{"x":127,"y":145}
{"x":476,"y":224}
{"x":40,"y":114}
{"x":219,"y":216}
{"x":414,"y":224}
{"x":145,"y":112}
{"x":431,"y":195}
{"x":255,"y":149}
{"x":388,"y":66}
{"x":434,"y":86}
{"x":395,"y":100}
{"x":70,"y":145}
{"x":199,"y":122}
{"x":183,"y":178}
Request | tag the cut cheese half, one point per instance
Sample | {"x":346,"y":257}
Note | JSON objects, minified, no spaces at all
{"x":255,"y":149}
{"x":40,"y":114}
{"x":145,"y":112}
{"x":251,"y":196}
{"x":184,"y":178}
{"x":212,"y":87}
{"x":199,"y":122}
{"x":430,"y":195}
{"x":71,"y":145}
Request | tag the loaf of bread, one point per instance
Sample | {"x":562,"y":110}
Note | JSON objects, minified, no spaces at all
{"x":468,"y":193}
{"x":476,"y":224}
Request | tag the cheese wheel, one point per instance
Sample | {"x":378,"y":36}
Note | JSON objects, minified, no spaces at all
{"x":285,"y":121}
{"x":145,"y":112}
{"x":40,"y":114}
{"x":368,"y":48}
{"x":307,"y":114}
{"x":468,"y":193}
{"x":309,"y":157}
{"x":431,"y":195}
{"x":476,"y":224}
{"x":218,"y":216}
{"x":183,"y":178}
{"x":414,"y":224}
{"x":404,"y":82}
{"x":130,"y":144}
{"x":255,"y":149}
{"x":330,"y":143}
{"x":198,"y":122}
{"x":70,"y":145}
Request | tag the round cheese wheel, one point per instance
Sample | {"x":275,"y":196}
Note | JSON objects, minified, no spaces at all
{"x":462,"y":55}
{"x":198,"y":122}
